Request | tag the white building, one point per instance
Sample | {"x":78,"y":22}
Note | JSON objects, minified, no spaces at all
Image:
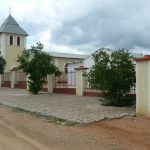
{"x":88,"y":62}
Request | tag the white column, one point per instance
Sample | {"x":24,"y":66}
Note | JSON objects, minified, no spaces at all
{"x":143,"y":86}
{"x":50,"y":82}
{"x":27,"y":80}
{"x":80,"y":80}
{"x":23,"y":41}
{"x":3,"y":45}
{"x":13,"y":79}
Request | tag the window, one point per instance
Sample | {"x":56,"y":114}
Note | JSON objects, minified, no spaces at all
{"x":18,"y":40}
{"x":66,"y":68}
{"x":11,"y":40}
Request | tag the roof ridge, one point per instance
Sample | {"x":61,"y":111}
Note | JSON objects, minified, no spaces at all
{"x":10,"y":25}
{"x":10,"y":20}
{"x":69,"y":53}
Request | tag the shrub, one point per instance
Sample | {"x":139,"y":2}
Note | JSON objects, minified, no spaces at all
{"x":114,"y":75}
{"x":2,"y":64}
{"x":37,"y":65}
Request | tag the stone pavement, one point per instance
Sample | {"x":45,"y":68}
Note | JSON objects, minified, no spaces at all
{"x":70,"y":107}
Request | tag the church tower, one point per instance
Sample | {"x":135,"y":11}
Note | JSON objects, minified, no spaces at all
{"x":12,"y":41}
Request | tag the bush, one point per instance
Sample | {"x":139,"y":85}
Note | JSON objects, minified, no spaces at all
{"x":37,"y":65}
{"x":2,"y":64}
{"x":114,"y":75}
{"x":118,"y":99}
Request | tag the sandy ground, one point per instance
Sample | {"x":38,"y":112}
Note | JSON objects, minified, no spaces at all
{"x":21,"y":131}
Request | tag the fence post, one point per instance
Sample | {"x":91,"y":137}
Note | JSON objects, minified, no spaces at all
{"x":80,"y":80}
{"x":143,"y":85}
{"x":50,"y":82}
{"x":13,"y":78}
{"x":27,"y":82}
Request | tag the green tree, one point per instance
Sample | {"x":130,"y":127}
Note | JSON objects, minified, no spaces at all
{"x":2,"y":64}
{"x":114,"y":75}
{"x":37,"y":65}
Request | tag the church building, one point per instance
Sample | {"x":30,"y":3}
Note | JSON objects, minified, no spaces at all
{"x":12,"y":41}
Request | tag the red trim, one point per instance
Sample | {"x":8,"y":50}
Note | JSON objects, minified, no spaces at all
{"x":21,"y":85}
{"x":44,"y":89}
{"x":65,"y":90}
{"x":132,"y":94}
{"x":98,"y":94}
{"x":145,"y":58}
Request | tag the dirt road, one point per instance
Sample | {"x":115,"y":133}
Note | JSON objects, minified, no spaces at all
{"x":20,"y":131}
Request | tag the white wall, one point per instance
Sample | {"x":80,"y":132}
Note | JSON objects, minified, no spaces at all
{"x":71,"y":66}
{"x":3,"y":44}
{"x":88,"y":62}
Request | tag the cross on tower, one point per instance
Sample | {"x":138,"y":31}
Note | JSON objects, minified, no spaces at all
{"x":10,"y":9}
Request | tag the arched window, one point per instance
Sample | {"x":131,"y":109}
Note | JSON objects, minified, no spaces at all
{"x":66,"y":68}
{"x":11,"y":40}
{"x":18,"y":40}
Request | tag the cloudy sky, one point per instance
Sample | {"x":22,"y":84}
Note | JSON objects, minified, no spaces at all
{"x":82,"y":26}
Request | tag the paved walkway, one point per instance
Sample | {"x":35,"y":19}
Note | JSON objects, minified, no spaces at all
{"x":69,"y":107}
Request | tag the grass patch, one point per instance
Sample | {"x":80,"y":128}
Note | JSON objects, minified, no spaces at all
{"x":47,"y":118}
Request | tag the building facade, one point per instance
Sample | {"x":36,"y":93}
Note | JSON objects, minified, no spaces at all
{"x":62,"y":60}
{"x":12,"y":41}
{"x":89,"y":61}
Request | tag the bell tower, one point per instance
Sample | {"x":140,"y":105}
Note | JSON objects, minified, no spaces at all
{"x":12,"y":41}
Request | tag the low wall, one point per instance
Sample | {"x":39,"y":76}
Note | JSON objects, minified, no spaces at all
{"x":6,"y":84}
{"x":21,"y":85}
{"x":98,"y":94}
{"x":44,"y":89}
{"x":94,"y":94}
{"x":71,"y":91}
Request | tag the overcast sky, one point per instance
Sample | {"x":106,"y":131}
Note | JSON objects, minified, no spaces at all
{"x":82,"y":26}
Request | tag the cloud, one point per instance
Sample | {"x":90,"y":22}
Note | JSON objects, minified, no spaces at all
{"x":83,"y":26}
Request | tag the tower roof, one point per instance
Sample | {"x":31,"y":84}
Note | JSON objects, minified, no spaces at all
{"x":11,"y":26}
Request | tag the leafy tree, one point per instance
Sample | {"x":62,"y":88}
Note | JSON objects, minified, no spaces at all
{"x":2,"y":64}
{"x":37,"y":65}
{"x":114,"y":75}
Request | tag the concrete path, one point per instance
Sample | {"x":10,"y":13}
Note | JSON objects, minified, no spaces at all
{"x":69,"y":107}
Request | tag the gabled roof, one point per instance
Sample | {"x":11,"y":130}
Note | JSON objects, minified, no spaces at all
{"x":11,"y":26}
